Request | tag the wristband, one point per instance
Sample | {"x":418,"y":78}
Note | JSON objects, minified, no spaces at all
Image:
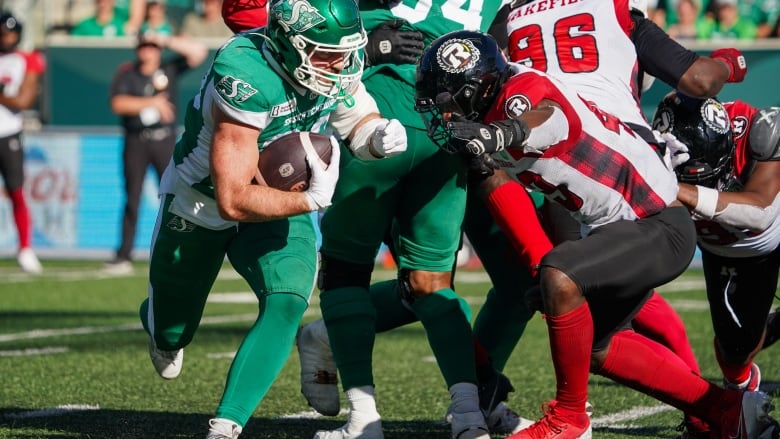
{"x":707,"y":202}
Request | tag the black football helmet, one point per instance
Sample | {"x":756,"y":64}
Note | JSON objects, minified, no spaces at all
{"x":460,"y":74}
{"x":9,"y":24}
{"x":704,"y":126}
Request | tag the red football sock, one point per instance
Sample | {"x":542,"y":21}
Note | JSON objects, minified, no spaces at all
{"x":21,"y":217}
{"x":734,"y":373}
{"x":659,"y":322}
{"x":513,"y":211}
{"x":646,"y":366}
{"x":571,"y":340}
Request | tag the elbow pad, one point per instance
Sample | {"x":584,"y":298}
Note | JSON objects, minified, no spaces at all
{"x":344,"y":118}
{"x":555,"y":129}
{"x":765,"y":134}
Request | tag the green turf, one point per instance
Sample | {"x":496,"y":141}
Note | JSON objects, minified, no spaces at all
{"x":102,"y":370}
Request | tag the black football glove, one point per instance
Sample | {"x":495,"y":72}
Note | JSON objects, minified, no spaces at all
{"x":473,"y":138}
{"x":387,"y":44}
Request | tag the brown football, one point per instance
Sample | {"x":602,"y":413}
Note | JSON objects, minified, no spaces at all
{"x":282,"y":164}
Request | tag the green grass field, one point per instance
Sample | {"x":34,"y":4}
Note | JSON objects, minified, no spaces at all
{"x":74,"y":364}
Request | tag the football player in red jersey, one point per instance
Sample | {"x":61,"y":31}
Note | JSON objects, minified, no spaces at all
{"x":622,"y":194}
{"x":731,"y":185}
{"x":609,"y":50}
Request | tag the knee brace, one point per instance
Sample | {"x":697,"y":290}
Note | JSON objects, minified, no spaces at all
{"x":339,"y":274}
{"x":405,"y":288}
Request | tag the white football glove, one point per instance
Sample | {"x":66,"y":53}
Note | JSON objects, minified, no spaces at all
{"x":389,"y":140}
{"x":323,"y":181}
{"x":676,"y":152}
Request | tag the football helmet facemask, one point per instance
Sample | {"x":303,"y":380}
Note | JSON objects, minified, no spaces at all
{"x":299,"y":31}
{"x":459,"y":74}
{"x":705,"y":127}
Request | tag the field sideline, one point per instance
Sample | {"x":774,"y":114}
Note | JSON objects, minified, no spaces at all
{"x":74,"y":364}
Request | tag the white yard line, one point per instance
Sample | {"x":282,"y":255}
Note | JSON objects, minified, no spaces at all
{"x":631,"y":414}
{"x":33,"y":351}
{"x":56,"y":411}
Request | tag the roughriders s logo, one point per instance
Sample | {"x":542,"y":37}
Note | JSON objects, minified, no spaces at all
{"x":715,"y":116}
{"x":457,"y":55}
{"x":234,"y":89}
{"x":517,"y":105}
{"x":296,"y":15}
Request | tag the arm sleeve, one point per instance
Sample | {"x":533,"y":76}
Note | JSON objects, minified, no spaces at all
{"x":514,"y":212}
{"x":658,"y":54}
{"x":498,"y":27}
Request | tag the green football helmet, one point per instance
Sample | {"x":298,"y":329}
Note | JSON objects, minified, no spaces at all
{"x":298,"y":30}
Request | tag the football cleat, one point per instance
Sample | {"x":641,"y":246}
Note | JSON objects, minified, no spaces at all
{"x":319,"y":379}
{"x":553,"y":426}
{"x":752,"y":383}
{"x":372,"y":430}
{"x":749,"y":418}
{"x":28,"y":262}
{"x":470,"y":425}
{"x":492,"y":391}
{"x":221,"y":428}
{"x":504,"y":420}
{"x":694,"y":428}
{"x":118,"y":267}
{"x":167,"y":363}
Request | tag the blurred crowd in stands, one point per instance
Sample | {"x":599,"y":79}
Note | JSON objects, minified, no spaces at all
{"x":707,"y":20}
{"x":116,"y":18}
{"x":701,"y":20}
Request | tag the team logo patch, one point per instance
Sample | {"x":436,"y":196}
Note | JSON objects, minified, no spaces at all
{"x":739,"y":126}
{"x":516,"y":105}
{"x":286,"y":170}
{"x":664,"y":120}
{"x":296,"y":15}
{"x":234,"y":89}
{"x":285,"y":108}
{"x":179,"y":224}
{"x":457,"y":55}
{"x":715,"y":116}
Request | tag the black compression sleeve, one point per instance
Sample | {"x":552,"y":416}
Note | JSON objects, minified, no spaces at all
{"x":659,"y":55}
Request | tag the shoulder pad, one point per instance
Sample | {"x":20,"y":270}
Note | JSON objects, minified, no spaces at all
{"x":765,"y":134}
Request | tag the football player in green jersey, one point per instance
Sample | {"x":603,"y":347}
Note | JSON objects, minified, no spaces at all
{"x":299,"y":74}
{"x":424,"y":193}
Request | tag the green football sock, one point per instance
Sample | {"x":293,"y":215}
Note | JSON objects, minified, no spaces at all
{"x":351,"y":320}
{"x":449,"y":334}
{"x":391,"y":311}
{"x":500,"y":323}
{"x":261,"y":356}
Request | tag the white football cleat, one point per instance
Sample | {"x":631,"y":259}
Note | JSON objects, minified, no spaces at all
{"x":221,"y":428}
{"x":372,"y":430}
{"x":28,"y":261}
{"x":167,"y":363}
{"x":470,"y":425}
{"x":504,"y":420}
{"x":319,"y":379}
{"x":118,"y":267}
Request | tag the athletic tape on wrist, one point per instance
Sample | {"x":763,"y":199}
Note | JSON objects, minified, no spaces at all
{"x":707,"y":202}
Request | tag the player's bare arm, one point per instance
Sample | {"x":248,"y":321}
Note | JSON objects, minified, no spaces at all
{"x":233,"y":161}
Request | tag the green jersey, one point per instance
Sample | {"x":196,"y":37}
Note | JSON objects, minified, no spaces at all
{"x":247,"y":84}
{"x":433,"y":18}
